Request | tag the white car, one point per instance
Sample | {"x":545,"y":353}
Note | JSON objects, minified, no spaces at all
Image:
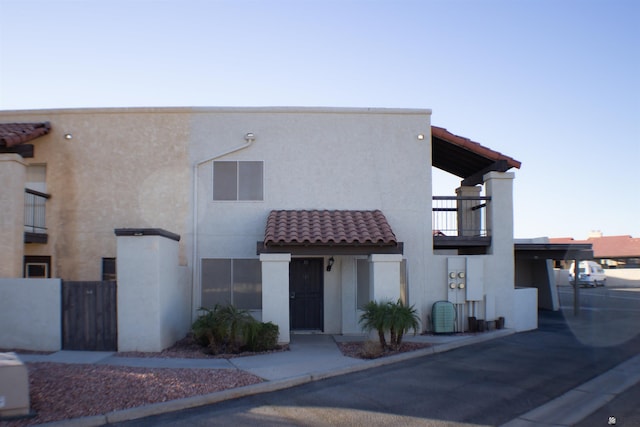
{"x":590,"y":273}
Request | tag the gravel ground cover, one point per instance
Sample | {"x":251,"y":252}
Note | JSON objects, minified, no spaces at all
{"x":63,"y":391}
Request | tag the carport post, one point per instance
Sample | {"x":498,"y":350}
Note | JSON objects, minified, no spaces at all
{"x":576,"y":288}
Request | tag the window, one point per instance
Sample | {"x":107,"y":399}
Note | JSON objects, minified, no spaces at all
{"x":109,"y":269}
{"x":37,"y":267}
{"x":34,"y":204}
{"x":238,"y":180}
{"x":232,"y":281}
{"x":37,"y":178}
{"x":363,"y":284}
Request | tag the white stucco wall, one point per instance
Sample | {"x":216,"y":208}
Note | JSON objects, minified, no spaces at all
{"x":497,"y":266}
{"x":30,"y":314}
{"x":318,"y":158}
{"x":525,"y":309}
{"x":275,"y":290}
{"x":12,"y":176}
{"x":153,"y":294}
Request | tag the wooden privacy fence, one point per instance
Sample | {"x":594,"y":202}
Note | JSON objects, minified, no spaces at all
{"x":89,"y":316}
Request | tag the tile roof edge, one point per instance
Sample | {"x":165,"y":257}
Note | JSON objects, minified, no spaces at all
{"x":476,"y":147}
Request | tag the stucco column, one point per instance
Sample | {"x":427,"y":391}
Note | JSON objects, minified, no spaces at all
{"x":499,"y":187}
{"x":13,"y":175}
{"x":275,"y":292}
{"x":468,"y":219}
{"x":152,"y":306}
{"x":385,"y":277}
{"x":500,"y":266}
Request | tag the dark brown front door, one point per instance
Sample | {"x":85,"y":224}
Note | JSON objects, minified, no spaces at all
{"x":305,"y":294}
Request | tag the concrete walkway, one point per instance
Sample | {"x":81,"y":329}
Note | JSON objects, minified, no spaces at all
{"x":314,"y":357}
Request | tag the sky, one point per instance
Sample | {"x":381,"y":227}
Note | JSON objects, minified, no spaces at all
{"x":554,"y":84}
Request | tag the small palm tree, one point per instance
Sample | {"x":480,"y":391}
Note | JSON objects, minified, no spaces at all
{"x":374,"y":316}
{"x":233,"y":320}
{"x":401,"y":318}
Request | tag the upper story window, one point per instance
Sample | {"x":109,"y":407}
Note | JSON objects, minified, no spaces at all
{"x":37,"y":178}
{"x":238,"y":180}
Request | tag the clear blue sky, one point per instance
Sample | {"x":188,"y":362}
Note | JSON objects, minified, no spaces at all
{"x":552,"y":83}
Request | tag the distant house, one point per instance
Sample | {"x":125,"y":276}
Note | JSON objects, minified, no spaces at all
{"x":610,"y":251}
{"x":300,"y":215}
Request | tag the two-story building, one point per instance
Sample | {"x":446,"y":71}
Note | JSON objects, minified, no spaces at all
{"x":300,"y":215}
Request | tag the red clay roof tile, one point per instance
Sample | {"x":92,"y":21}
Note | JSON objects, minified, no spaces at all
{"x":328,"y":227}
{"x":473,"y":146}
{"x":12,"y":134}
{"x":608,"y":246}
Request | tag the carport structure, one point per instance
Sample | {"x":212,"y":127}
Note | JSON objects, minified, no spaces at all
{"x":542,"y":254}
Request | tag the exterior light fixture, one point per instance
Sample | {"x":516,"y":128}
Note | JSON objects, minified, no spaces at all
{"x":68,"y":136}
{"x":330,"y":263}
{"x":420,"y":136}
{"x":250,"y":137}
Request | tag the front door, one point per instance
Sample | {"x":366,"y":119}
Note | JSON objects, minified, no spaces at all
{"x":305,"y":294}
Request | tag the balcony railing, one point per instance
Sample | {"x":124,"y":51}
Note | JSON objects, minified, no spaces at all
{"x":457,"y":219}
{"x":35,"y":229}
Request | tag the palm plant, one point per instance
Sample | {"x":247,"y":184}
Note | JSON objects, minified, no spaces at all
{"x":221,"y":328}
{"x":401,"y":318}
{"x":394,"y":317}
{"x":375,"y":316}
{"x":234,"y":320}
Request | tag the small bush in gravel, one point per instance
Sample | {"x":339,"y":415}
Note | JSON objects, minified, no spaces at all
{"x":227,"y":329}
{"x":260,"y":336}
{"x":393,"y":317}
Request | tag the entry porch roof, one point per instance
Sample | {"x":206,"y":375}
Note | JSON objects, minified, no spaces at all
{"x":329,"y":232}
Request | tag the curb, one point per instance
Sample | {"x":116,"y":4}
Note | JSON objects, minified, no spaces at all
{"x":580,"y":402}
{"x":267,"y":386}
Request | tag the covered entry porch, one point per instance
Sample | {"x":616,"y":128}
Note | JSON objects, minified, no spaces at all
{"x":317,"y":266}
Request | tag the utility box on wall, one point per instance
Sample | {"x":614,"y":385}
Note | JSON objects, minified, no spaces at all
{"x":475,"y":279}
{"x":14,"y":386}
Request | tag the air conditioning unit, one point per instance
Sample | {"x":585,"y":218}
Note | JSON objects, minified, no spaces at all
{"x":14,"y":386}
{"x":443,"y":317}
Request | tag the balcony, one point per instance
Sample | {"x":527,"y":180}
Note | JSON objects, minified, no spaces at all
{"x":460,"y":222}
{"x":35,"y":230}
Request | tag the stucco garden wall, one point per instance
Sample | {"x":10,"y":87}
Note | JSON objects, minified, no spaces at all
{"x":153,"y":293}
{"x":30,"y":314}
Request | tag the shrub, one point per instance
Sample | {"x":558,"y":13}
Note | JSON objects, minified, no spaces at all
{"x":227,"y":329}
{"x":375,"y":317}
{"x":259,"y":336}
{"x":386,"y":316}
{"x":402,"y":318}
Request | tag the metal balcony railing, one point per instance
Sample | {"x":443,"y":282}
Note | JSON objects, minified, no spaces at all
{"x":34,"y":211}
{"x":460,"y":216}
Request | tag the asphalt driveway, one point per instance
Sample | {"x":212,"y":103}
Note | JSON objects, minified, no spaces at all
{"x":489,"y":383}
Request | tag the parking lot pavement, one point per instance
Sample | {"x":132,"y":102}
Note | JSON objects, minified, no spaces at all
{"x":624,"y":410}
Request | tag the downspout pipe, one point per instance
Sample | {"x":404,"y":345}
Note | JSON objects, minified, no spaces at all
{"x":194,"y":251}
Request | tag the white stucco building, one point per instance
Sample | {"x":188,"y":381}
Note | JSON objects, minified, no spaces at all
{"x":300,"y":215}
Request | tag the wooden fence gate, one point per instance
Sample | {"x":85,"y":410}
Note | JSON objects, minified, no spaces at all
{"x":89,"y":316}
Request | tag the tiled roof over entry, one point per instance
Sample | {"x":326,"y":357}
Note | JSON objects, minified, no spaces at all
{"x":12,"y":134}
{"x":328,"y":227}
